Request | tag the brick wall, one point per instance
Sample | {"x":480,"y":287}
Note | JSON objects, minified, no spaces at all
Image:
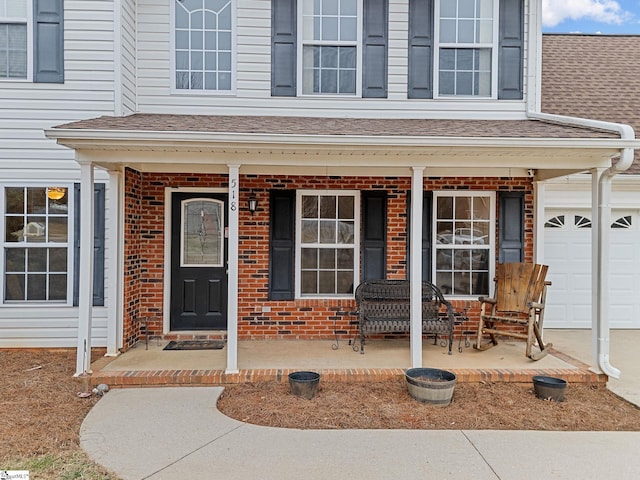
{"x":257,"y":316}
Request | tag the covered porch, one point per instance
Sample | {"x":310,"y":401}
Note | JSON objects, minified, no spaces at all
{"x":152,"y":158}
{"x":273,"y":360}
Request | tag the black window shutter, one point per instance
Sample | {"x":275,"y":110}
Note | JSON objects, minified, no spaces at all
{"x":281,"y":244}
{"x":511,"y":227}
{"x":374,"y":235}
{"x":427,"y":228}
{"x":283,"y":48}
{"x":510,"y":49}
{"x":427,"y":215}
{"x":48,"y":41}
{"x":375,"y":40}
{"x":420,"y":49}
{"x":98,"y":244}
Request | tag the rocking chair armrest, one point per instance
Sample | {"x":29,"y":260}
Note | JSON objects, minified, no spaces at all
{"x":487,"y":300}
{"x":536,"y":305}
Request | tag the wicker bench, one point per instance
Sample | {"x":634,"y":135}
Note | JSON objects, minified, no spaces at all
{"x":384,"y":307}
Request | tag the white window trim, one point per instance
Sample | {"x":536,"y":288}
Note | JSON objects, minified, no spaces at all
{"x":492,"y":233}
{"x":356,"y":241}
{"x":30,"y":46}
{"x":172,"y":57}
{"x":494,"y":56}
{"x":70,"y":247}
{"x":301,"y":44}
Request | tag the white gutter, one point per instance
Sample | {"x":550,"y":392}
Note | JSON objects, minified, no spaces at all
{"x":601,"y":234}
{"x":97,"y":137}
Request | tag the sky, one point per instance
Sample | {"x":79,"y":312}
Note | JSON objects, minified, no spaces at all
{"x":591,"y":16}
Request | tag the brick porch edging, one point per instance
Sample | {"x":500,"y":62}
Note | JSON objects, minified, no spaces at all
{"x":156,"y":378}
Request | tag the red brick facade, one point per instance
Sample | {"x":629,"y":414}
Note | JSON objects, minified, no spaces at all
{"x":144,"y":227}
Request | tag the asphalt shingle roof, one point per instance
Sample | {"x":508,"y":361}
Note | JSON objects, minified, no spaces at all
{"x":337,"y":126}
{"x":593,"y":76}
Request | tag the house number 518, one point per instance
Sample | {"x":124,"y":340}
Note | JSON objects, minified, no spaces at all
{"x":233,"y":203}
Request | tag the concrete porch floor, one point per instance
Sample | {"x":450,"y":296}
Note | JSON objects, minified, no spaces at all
{"x":273,"y":360}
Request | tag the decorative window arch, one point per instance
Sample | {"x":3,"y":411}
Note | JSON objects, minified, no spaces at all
{"x":555,"y":222}
{"x":581,"y":222}
{"x":622,"y":222}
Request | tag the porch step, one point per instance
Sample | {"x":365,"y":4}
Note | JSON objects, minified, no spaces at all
{"x":172,"y":378}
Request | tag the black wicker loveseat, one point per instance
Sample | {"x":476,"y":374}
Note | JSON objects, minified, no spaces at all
{"x":384,"y":307}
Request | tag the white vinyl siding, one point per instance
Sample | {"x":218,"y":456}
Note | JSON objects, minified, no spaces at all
{"x":26,"y":110}
{"x":128,"y":56}
{"x":252,"y":94}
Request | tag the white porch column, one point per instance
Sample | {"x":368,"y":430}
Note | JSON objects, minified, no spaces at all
{"x":113,"y":270}
{"x":85,"y":301}
{"x":415,"y":248}
{"x":538,"y":226}
{"x":232,"y":269}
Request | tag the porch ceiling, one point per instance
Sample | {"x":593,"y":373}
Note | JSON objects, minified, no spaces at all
{"x":337,"y":146}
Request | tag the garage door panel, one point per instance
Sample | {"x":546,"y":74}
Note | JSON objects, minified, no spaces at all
{"x":568,"y":254}
{"x":581,"y":283}
{"x":623,"y":316}
{"x":623,"y":284}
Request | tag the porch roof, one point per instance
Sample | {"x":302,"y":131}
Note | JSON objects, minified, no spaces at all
{"x":339,"y":146}
{"x":340,"y":127}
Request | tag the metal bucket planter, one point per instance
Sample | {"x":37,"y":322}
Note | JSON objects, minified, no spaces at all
{"x":304,"y":384}
{"x":549,"y":388}
{"x":431,"y":385}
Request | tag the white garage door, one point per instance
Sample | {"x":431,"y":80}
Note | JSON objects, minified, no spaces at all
{"x":567,"y":241}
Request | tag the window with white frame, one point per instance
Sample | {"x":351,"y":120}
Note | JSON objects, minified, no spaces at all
{"x":14,"y":42}
{"x":330,"y":34}
{"x":464,"y":242}
{"x":203,"y":45}
{"x":37,"y":244}
{"x":466,"y":53}
{"x":327,"y":247}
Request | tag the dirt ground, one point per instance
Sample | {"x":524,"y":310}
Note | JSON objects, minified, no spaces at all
{"x":41,"y":413}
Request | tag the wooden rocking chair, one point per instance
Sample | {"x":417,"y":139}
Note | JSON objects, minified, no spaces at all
{"x":519,"y":300}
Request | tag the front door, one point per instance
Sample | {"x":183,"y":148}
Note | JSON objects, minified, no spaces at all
{"x":198,"y":261}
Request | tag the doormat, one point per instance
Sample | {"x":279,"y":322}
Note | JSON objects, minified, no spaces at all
{"x":194,"y":345}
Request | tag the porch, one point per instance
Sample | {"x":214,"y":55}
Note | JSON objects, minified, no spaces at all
{"x":273,"y":360}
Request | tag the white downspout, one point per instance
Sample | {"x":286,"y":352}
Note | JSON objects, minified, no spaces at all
{"x":600,"y":189}
{"x":600,"y":264}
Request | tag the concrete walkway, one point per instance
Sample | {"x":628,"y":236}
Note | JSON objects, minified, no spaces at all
{"x":168,"y":433}
{"x":625,"y":356}
{"x":173,"y":432}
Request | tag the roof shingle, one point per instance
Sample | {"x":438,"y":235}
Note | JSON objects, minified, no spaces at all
{"x":593,"y":76}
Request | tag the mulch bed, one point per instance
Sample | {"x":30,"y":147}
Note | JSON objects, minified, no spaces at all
{"x":40,"y":411}
{"x":387,"y":405}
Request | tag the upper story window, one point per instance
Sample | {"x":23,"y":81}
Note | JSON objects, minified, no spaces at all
{"x":464,"y":242}
{"x":330,"y":45}
{"x":14,"y":57}
{"x":466,"y":59}
{"x":203,"y":45}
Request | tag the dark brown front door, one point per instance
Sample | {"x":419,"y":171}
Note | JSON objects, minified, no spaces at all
{"x":198,"y":261}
